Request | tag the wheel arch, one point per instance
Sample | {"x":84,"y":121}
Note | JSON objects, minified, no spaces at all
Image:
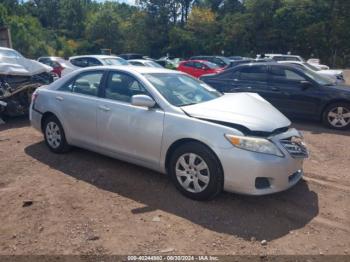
{"x":342,"y":100}
{"x":45,"y":116}
{"x":183,"y":141}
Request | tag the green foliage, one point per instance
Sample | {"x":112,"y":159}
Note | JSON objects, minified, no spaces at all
{"x":311,"y":28}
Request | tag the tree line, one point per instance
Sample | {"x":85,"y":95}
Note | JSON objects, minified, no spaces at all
{"x":310,"y":28}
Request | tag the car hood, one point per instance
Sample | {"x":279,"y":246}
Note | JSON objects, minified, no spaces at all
{"x":244,"y":109}
{"x":22,"y":66}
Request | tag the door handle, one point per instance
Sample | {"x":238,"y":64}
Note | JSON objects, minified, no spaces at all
{"x":104,"y":108}
{"x":59,"y":98}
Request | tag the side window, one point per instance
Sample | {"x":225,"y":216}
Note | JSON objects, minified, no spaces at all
{"x":253,"y":73}
{"x":199,"y":65}
{"x":282,"y":74}
{"x":189,"y":64}
{"x":121,"y":87}
{"x":80,"y":62}
{"x":135,"y":63}
{"x":87,"y":83}
{"x":93,"y":61}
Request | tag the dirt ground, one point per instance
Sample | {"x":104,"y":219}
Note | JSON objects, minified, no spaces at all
{"x":85,"y":203}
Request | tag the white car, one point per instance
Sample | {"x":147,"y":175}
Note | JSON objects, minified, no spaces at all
{"x":316,"y":62}
{"x":94,"y":60}
{"x":144,"y":62}
{"x":281,"y":57}
{"x":336,"y":75}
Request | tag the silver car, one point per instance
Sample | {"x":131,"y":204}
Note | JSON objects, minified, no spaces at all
{"x":172,"y":123}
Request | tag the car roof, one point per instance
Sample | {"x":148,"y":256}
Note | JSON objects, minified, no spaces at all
{"x":290,"y":62}
{"x":6,"y":48}
{"x":94,"y":56}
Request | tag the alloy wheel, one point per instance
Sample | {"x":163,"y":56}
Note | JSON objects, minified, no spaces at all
{"x":339,"y":117}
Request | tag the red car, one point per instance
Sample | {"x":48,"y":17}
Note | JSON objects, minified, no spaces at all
{"x":198,"y":68}
{"x":57,"y":63}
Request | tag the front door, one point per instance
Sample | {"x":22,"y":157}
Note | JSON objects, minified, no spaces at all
{"x":132,"y":132}
{"x":289,"y":95}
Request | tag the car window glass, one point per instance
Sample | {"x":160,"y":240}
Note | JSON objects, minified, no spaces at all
{"x":88,"y":83}
{"x":80,"y":62}
{"x":93,"y":61}
{"x":135,"y":63}
{"x":198,"y":65}
{"x":189,"y":64}
{"x":253,"y":73}
{"x":122,"y":87}
{"x":282,"y":74}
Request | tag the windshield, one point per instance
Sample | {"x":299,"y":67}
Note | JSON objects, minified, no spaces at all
{"x":322,"y":80}
{"x":211,"y":65}
{"x":225,"y":59}
{"x":115,"y":61}
{"x":314,"y":68}
{"x":10,"y":53}
{"x":182,"y":90}
{"x":153,"y":64}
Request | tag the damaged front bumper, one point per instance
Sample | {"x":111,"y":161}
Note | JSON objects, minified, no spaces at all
{"x":16,"y":92}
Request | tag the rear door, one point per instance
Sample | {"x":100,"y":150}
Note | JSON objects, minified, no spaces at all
{"x":252,"y":78}
{"x":78,"y":105}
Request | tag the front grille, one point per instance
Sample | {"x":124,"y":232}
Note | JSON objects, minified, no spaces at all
{"x":295,"y":147}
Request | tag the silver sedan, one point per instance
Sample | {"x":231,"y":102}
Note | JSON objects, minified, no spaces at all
{"x":170,"y":122}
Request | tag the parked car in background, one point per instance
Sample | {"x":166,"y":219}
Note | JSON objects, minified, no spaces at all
{"x":58,"y":64}
{"x":94,"y":60}
{"x":130,"y":56}
{"x":281,"y":57}
{"x":144,"y":62}
{"x":317,"y":63}
{"x":221,"y":61}
{"x":173,"y":123}
{"x":296,"y":93}
{"x":198,"y":68}
{"x":336,"y":75}
{"x":169,"y":62}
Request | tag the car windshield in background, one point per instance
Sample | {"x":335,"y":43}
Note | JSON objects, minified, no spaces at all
{"x":115,"y":61}
{"x":153,"y":64}
{"x":314,"y":68}
{"x":10,"y":53}
{"x":182,"y":90}
{"x":322,"y":80}
{"x":211,"y":65}
{"x":226,"y":60}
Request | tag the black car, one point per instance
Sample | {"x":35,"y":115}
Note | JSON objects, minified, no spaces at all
{"x":218,"y":60}
{"x":295,"y":92}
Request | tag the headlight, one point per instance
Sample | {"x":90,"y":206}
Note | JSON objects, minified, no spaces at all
{"x":260,"y":145}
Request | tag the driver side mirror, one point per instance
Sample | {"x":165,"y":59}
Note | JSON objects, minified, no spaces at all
{"x":142,"y":100}
{"x":305,"y":84}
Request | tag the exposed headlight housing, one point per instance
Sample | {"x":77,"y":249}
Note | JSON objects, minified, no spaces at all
{"x":254,"y":144}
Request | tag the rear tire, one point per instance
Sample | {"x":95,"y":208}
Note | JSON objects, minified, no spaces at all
{"x":196,"y":171}
{"x":54,"y":135}
{"x":337,"y":116}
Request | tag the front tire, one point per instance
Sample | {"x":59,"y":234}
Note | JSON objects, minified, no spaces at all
{"x":196,"y":171}
{"x":54,"y":135}
{"x":337,"y":116}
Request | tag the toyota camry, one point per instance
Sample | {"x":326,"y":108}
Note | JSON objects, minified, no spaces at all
{"x":170,"y":122}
